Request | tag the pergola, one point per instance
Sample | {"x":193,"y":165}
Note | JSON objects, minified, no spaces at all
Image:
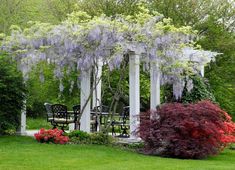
{"x":102,"y":40}
{"x":134,"y":90}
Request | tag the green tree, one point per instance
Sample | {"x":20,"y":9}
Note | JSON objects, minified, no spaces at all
{"x":221,"y":72}
{"x":59,"y":9}
{"x":12,"y":94}
{"x":10,"y":13}
{"x":108,"y":7}
{"x":215,"y":22}
{"x":43,"y":87}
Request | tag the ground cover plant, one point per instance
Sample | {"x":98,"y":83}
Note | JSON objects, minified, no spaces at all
{"x":25,"y":153}
{"x":186,"y":130}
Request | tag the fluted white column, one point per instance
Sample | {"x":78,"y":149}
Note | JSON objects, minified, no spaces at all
{"x":154,"y":85}
{"x":85,"y":92}
{"x":96,"y":99}
{"x":202,"y":70}
{"x":22,"y":129}
{"x":134,"y":92}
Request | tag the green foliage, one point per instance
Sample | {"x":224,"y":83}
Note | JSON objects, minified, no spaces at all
{"x":101,"y":138}
{"x":19,"y":12}
{"x":10,"y":11}
{"x":80,"y":137}
{"x":195,"y":13}
{"x":110,"y":84}
{"x":144,"y":90}
{"x":201,"y":91}
{"x":40,"y":92}
{"x":38,"y":123}
{"x":109,"y":8}
{"x":59,"y":9}
{"x":12,"y":95}
{"x":221,"y":72}
{"x":215,"y":22}
{"x":166,"y":93}
{"x":202,"y":15}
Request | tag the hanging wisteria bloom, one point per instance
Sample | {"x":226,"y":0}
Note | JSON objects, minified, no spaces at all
{"x":81,"y":41}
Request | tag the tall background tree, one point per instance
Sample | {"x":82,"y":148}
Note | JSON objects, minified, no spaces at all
{"x":12,"y":94}
{"x":215,"y":21}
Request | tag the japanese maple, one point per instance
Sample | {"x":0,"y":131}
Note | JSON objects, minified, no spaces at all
{"x":186,"y":130}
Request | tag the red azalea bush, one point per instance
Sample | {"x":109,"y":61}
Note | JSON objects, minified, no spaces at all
{"x":186,"y":130}
{"x":51,"y":136}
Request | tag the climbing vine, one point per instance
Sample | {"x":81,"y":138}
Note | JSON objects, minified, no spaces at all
{"x":81,"y":41}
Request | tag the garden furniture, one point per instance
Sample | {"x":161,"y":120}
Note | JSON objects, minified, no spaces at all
{"x":98,"y":112}
{"x":122,"y":123}
{"x":61,"y":117}
{"x":76,"y":110}
{"x":49,"y":112}
{"x":101,"y":111}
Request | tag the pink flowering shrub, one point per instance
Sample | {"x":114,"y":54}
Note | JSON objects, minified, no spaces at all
{"x":51,"y":136}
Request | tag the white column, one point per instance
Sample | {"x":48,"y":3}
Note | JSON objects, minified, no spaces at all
{"x":22,"y":129}
{"x":96,"y":98}
{"x":134,"y":92}
{"x":85,"y":92}
{"x":155,"y":85}
{"x":202,"y":70}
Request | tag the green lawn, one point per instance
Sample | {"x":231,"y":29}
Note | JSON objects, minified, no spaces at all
{"x":25,"y":153}
{"x":37,"y":123}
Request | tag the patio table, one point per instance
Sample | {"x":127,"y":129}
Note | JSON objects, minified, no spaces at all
{"x":102,"y":121}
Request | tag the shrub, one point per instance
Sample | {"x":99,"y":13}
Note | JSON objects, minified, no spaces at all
{"x":51,"y":136}
{"x":186,"y":130}
{"x":101,"y":138}
{"x":80,"y":137}
{"x":12,"y":92}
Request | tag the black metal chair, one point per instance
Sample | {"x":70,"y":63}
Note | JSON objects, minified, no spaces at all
{"x":49,"y":112}
{"x":122,"y":123}
{"x":76,"y":110}
{"x":101,"y":109}
{"x":60,"y":117}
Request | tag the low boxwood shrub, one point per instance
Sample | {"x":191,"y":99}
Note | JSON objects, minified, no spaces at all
{"x":51,"y":136}
{"x":186,"y":130}
{"x":80,"y":137}
{"x":101,"y":138}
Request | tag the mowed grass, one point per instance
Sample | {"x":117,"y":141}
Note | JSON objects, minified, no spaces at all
{"x":37,"y":123}
{"x":25,"y":153}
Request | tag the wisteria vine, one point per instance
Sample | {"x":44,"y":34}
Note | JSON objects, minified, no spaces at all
{"x":80,"y":41}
